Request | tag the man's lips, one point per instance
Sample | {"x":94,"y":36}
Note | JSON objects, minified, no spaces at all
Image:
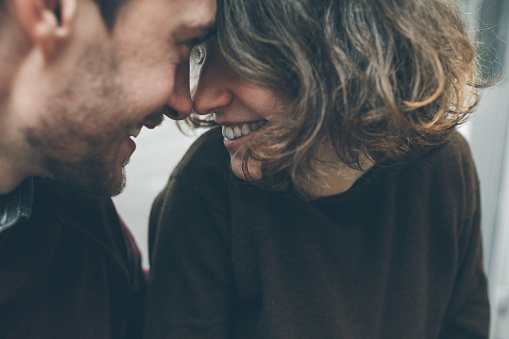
{"x":135,"y":131}
{"x":151,"y":122}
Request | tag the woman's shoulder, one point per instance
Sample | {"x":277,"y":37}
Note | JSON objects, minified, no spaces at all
{"x":447,"y":174}
{"x":452,"y":156}
{"x":204,"y":169}
{"x":447,"y":170}
{"x":206,"y":155}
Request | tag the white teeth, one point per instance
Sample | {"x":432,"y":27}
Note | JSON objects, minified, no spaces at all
{"x":228,"y":133}
{"x":245,"y":129}
{"x":237,"y":132}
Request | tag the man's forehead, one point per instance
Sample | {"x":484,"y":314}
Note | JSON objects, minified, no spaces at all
{"x":183,"y":18}
{"x":201,"y":10}
{"x":196,"y":15}
{"x":194,"y":19}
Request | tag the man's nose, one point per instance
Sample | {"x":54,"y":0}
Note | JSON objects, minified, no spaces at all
{"x":179,"y":104}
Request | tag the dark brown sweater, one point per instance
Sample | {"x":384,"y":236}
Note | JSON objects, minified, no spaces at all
{"x":72,"y":272}
{"x":397,"y":256}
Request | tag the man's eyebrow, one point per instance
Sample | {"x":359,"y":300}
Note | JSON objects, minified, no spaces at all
{"x":209,"y":31}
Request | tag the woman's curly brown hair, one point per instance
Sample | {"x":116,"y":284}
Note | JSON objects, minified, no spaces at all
{"x":377,"y":79}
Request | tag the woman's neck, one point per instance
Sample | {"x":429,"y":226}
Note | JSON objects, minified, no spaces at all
{"x":337,"y":177}
{"x":336,"y":183}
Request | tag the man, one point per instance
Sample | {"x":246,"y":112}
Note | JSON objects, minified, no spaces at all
{"x":78,"y":79}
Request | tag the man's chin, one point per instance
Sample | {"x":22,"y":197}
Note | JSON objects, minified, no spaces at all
{"x":112,"y":191}
{"x":101,"y":183}
{"x":111,"y":187}
{"x":100,"y":188}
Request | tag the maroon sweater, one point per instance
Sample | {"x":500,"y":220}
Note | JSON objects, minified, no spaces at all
{"x":398,"y":256}
{"x":72,"y":271}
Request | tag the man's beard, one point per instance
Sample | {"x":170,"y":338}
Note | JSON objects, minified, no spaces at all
{"x":70,"y":141}
{"x":96,"y":172}
{"x":91,"y":175}
{"x":72,"y":146}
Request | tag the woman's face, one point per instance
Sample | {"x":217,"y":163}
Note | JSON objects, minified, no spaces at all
{"x":243,"y":109}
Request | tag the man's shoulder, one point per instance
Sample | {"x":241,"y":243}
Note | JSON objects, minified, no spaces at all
{"x":93,"y":218}
{"x":75,"y":252}
{"x":57,"y":197}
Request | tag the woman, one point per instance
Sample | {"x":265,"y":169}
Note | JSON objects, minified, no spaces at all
{"x":353,"y":211}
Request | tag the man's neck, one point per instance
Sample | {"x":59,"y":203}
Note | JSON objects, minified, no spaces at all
{"x":16,"y":159}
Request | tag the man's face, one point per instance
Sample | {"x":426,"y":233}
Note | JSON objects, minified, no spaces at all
{"x":112,"y":84}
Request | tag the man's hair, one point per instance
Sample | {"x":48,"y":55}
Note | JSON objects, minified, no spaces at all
{"x":381,"y":80}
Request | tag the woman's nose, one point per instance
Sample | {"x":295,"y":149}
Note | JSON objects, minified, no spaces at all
{"x":179,"y":104}
{"x":213,"y":89}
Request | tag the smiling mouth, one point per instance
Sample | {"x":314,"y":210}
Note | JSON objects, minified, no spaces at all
{"x":150,"y":123}
{"x":236,"y":132}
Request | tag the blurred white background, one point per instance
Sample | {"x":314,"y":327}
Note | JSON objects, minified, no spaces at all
{"x":159,"y":150}
{"x":157,"y":153}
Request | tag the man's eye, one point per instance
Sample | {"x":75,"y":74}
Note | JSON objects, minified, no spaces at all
{"x":198,"y":54}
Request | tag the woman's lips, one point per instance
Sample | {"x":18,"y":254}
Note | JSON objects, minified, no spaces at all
{"x":235,"y":134}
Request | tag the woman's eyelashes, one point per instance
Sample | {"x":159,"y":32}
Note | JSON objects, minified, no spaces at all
{"x":198,"y":54}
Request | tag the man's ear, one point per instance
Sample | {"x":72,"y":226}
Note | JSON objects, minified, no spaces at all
{"x":46,"y":22}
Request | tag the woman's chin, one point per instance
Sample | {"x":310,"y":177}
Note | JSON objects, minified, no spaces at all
{"x":254,"y":168}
